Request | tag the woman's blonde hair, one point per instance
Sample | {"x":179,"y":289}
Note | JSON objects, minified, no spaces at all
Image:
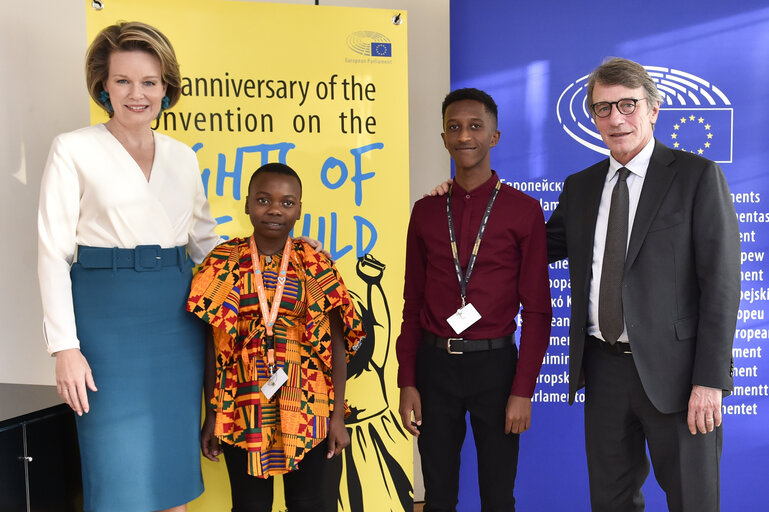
{"x":131,"y":36}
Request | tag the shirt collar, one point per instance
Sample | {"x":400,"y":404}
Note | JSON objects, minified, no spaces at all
{"x":483,"y":189}
{"x":637,"y":165}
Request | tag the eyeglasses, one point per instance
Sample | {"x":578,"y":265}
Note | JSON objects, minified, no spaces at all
{"x":625,"y":106}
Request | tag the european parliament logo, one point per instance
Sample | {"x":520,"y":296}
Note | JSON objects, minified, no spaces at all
{"x":381,"y":49}
{"x":370,"y":44}
{"x":695,"y":115}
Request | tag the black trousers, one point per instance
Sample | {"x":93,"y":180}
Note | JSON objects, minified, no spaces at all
{"x":304,"y":488}
{"x":620,"y":422}
{"x":451,"y":386}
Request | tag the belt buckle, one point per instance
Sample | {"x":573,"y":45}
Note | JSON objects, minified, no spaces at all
{"x":147,"y":258}
{"x":448,"y":345}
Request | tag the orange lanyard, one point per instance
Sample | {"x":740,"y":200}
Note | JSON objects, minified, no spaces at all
{"x":270,"y":315}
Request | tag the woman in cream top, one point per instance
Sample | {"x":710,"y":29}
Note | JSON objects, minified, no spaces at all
{"x":122,"y":218}
{"x":94,"y":193}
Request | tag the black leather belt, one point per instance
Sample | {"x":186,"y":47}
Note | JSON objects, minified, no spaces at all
{"x":620,"y":348}
{"x":461,"y":345}
{"x":142,"y":258}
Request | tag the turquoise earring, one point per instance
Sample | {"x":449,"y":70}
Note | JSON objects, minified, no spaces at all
{"x":165,"y":103}
{"x":104,"y":100}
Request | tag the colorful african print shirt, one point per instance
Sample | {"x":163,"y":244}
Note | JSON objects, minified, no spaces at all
{"x":277,"y":433}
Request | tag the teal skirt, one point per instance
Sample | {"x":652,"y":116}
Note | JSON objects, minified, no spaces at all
{"x":139,"y":444}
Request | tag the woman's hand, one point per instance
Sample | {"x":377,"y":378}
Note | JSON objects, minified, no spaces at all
{"x":316,"y":244}
{"x":73,"y":375}
{"x":209,"y":444}
{"x":338,"y":437}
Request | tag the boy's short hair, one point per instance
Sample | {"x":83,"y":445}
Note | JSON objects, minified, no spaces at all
{"x":275,"y":168}
{"x":470,"y":93}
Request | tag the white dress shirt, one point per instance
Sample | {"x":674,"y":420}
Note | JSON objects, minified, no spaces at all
{"x":94,"y":193}
{"x":637,"y":167}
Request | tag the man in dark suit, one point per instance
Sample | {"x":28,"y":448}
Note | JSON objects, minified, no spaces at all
{"x":653,"y":245}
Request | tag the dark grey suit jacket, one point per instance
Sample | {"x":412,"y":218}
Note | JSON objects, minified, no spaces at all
{"x":681,"y":286}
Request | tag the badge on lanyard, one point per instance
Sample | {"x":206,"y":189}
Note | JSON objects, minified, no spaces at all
{"x":276,"y":381}
{"x":277,"y":377}
{"x":466,"y":315}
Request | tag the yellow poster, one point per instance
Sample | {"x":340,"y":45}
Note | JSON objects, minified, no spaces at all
{"x":324,"y":90}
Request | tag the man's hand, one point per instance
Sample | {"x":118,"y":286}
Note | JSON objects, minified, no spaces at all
{"x":441,"y":189}
{"x":704,"y":409}
{"x":411,"y":402}
{"x":73,"y":375}
{"x":209,"y":444}
{"x":517,"y":414}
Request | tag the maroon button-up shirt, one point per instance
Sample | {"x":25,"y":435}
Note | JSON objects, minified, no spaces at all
{"x":510,"y":273}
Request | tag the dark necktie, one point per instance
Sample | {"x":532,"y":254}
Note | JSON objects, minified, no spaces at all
{"x":610,"y":295}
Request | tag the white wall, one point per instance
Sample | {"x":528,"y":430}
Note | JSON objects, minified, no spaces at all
{"x":42,"y":45}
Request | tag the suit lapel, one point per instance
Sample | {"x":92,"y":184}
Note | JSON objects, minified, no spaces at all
{"x":591,"y":200}
{"x":659,"y":176}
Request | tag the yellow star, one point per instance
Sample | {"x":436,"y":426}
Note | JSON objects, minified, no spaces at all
{"x":674,"y":135}
{"x":701,"y":120}
{"x":676,"y":144}
{"x":707,"y":144}
{"x":691,"y":117}
{"x":676,"y":126}
{"x":710,"y":135}
{"x":699,"y":151}
{"x":683,"y":120}
{"x":707,"y":127}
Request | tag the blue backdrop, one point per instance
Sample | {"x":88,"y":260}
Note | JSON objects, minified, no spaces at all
{"x":711,"y":59}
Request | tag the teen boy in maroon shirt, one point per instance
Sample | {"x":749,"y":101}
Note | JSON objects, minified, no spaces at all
{"x":445,"y":372}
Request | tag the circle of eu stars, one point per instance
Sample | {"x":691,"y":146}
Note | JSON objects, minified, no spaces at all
{"x":380,"y":49}
{"x":692,"y":121}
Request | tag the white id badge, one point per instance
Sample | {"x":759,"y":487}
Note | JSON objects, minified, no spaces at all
{"x":465,"y":316}
{"x":276,"y":381}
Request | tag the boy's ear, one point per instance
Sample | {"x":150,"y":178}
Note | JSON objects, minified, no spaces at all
{"x":246,"y":206}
